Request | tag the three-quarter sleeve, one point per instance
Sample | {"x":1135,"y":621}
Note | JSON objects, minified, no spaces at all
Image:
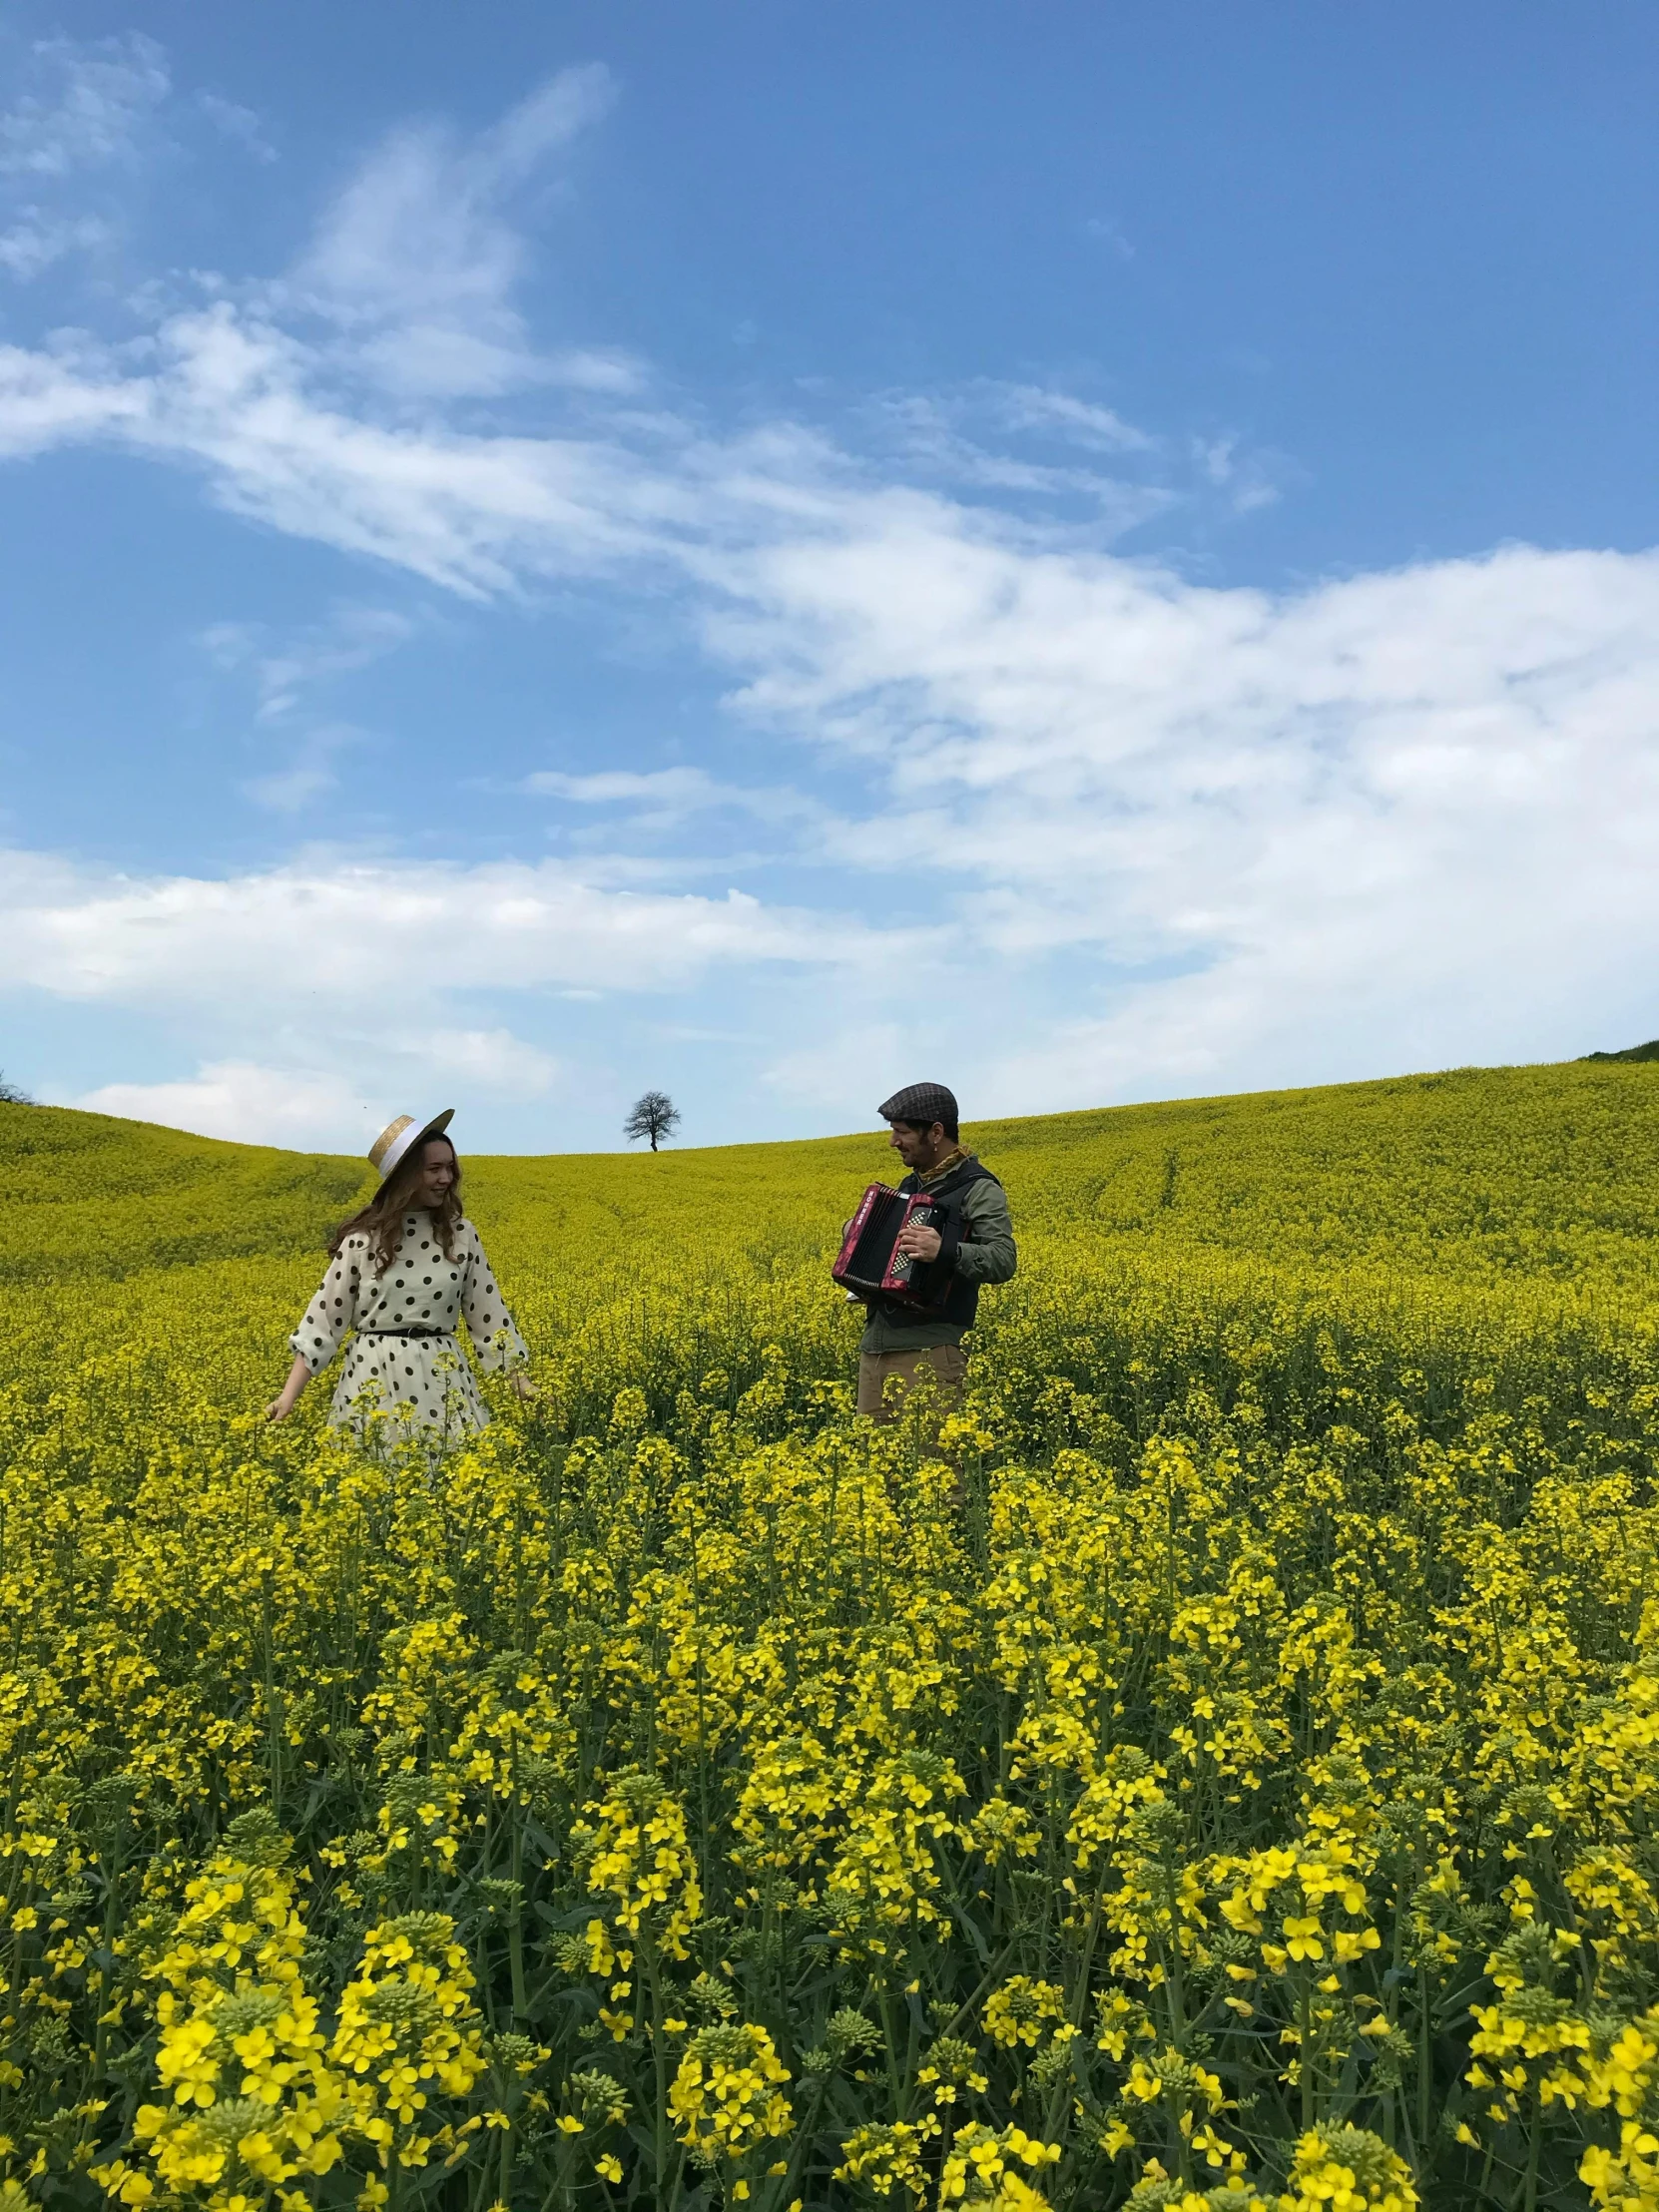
{"x":333,"y":1310}
{"x":495,"y":1337}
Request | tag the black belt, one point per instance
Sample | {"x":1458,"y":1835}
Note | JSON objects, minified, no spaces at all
{"x":416,"y":1331}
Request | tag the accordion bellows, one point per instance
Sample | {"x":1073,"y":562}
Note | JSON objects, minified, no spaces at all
{"x":867,"y":1264}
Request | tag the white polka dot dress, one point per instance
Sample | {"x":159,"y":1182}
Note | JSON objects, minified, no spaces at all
{"x":423,"y":1382}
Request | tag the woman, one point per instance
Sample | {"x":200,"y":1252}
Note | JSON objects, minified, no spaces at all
{"x":400,"y":1271}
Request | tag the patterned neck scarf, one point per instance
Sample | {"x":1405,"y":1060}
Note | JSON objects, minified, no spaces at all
{"x":951,"y":1161}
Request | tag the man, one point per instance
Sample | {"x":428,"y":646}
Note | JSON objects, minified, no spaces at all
{"x":975,"y":1244}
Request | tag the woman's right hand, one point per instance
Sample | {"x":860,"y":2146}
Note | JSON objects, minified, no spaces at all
{"x":283,"y":1404}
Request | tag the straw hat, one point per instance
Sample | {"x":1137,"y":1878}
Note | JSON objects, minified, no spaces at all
{"x":400,"y":1138}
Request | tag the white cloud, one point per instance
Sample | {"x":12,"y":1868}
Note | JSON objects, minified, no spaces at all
{"x":239,"y":400}
{"x":250,"y":1104}
{"x":1397,"y":821}
{"x":49,"y":399}
{"x":324,"y":937}
{"x":833,"y":1065}
{"x":344,"y":1106}
{"x":334,"y":986}
{"x":495,"y":1061}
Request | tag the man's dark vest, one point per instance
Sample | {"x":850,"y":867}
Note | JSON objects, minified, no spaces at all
{"x":953,"y":1298}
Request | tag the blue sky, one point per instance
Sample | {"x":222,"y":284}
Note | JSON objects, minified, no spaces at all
{"x":1088,"y":553}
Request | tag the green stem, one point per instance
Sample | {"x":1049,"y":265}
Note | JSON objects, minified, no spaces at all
{"x":111,"y":1899}
{"x":659,"y":2055}
{"x":272,"y":1706}
{"x":894,"y":2075}
{"x":515,"y":1925}
{"x":1536,"y":2136}
{"x":804,"y":2139}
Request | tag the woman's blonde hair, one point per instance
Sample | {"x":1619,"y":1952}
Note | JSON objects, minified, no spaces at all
{"x":382,"y":1220}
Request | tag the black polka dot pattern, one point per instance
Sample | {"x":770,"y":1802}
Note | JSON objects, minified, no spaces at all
{"x":428,"y":1387}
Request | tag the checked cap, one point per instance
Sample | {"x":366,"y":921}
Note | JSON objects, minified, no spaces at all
{"x":923,"y":1102}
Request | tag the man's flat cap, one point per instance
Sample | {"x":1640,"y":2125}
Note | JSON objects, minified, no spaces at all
{"x":926,"y":1103}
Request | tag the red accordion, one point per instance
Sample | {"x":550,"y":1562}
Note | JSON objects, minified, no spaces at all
{"x":869,"y":1265}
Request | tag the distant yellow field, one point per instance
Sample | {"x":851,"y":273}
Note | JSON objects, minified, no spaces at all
{"x":1220,"y":1770}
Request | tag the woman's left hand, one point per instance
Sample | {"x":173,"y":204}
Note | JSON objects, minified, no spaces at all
{"x":525,"y":1388}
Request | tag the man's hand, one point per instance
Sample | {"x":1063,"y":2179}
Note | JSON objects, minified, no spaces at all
{"x":918,"y":1243}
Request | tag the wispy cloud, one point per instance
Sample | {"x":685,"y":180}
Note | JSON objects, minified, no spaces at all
{"x":681,"y":788}
{"x":36,"y":239}
{"x":416,"y":262}
{"x":287,"y":676}
{"x":664,"y":799}
{"x":1247,"y":478}
{"x":285,"y":670}
{"x":1084,"y":421}
{"x":84,"y":103}
{"x":1107,"y":231}
{"x":311,"y":771}
{"x":83,"y":110}
{"x":238,"y":124}
{"x":1017,"y":442}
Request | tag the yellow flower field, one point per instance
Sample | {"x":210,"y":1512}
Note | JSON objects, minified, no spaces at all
{"x":1218,"y":1769}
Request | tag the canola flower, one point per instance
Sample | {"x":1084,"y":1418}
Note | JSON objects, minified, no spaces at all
{"x":728,"y":2097}
{"x":251,"y":2100}
{"x":1215,"y":1769}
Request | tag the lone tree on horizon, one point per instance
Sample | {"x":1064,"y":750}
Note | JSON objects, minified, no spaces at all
{"x":11,"y":1094}
{"x":654,"y":1115}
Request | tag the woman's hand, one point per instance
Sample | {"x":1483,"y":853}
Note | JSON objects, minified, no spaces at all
{"x":523,"y":1385}
{"x":283,"y":1404}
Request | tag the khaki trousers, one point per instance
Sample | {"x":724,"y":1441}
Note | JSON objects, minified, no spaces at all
{"x":947,"y":1362}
